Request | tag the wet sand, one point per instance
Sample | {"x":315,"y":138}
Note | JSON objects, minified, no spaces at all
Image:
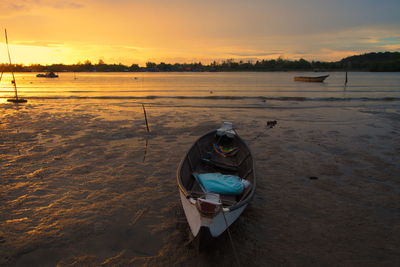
{"x":79,"y":187}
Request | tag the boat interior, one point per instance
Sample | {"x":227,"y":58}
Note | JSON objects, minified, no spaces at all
{"x":203,"y":157}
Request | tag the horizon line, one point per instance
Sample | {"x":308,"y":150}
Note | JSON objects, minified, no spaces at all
{"x":220,"y":60}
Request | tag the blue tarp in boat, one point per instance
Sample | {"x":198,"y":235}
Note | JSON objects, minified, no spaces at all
{"x":220,"y":183}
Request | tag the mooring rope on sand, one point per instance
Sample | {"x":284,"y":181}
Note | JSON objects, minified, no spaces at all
{"x":270,"y":125}
{"x":231,"y":240}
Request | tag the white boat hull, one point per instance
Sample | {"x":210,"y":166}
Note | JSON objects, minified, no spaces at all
{"x":216,"y":225}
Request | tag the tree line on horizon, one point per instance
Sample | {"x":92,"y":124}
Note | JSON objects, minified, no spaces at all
{"x":381,"y":61}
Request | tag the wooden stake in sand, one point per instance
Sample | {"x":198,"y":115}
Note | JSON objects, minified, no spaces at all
{"x":345,"y":81}
{"x":145,"y":118}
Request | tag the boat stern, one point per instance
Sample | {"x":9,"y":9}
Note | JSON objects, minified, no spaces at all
{"x":215,"y":223}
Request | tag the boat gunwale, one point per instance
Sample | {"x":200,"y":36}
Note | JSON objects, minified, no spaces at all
{"x":241,"y":203}
{"x":313,"y":77}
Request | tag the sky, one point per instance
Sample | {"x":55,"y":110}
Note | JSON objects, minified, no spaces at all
{"x":137,"y":31}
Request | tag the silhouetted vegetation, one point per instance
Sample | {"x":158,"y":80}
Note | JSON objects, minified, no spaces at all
{"x":384,"y":61}
{"x":387,"y":61}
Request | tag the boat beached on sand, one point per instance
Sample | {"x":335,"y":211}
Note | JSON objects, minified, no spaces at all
{"x":319,"y":79}
{"x":216,"y":182}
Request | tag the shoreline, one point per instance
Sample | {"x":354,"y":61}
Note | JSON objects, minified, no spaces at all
{"x":222,"y":71}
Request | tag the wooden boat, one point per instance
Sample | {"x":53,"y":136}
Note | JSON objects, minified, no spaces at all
{"x":318,"y":79}
{"x":209,"y":214}
{"x":17,"y":100}
{"x":47,"y":75}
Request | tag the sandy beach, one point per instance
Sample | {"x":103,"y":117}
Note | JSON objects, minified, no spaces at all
{"x":80,"y":187}
{"x":110,"y":154}
{"x":87,"y":179}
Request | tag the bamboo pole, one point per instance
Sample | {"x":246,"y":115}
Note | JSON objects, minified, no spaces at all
{"x":145,"y":118}
{"x":9,"y":57}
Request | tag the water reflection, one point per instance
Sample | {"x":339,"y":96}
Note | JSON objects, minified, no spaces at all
{"x":145,"y":148}
{"x":175,"y":85}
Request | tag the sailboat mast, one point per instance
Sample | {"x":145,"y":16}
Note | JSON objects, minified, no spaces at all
{"x":9,"y":57}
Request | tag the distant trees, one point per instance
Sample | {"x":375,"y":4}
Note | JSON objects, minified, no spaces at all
{"x":134,"y":67}
{"x":150,"y":65}
{"x":386,"y":61}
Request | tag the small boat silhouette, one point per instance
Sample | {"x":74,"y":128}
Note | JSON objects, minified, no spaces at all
{"x":47,"y":75}
{"x":318,"y":79}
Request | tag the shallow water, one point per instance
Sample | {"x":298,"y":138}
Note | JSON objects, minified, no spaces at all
{"x":82,"y":184}
{"x":220,"y":85}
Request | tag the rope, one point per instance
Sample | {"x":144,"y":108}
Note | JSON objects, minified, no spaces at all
{"x":270,"y":125}
{"x":231,"y":240}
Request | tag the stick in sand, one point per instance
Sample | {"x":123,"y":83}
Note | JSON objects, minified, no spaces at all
{"x":145,"y":118}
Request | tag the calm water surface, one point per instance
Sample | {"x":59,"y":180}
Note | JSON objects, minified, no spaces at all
{"x":243,"y":85}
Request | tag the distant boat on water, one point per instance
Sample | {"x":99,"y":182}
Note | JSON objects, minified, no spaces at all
{"x":318,"y":79}
{"x":47,"y":75}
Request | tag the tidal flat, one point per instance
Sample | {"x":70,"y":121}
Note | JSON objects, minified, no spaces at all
{"x":84,"y":184}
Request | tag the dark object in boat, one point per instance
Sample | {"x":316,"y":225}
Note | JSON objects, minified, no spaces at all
{"x":205,"y":211}
{"x":271,"y":123}
{"x":318,"y":79}
{"x":313,"y":178}
{"x":47,"y":75}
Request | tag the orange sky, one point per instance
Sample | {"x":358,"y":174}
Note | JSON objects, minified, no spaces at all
{"x":133,"y":31}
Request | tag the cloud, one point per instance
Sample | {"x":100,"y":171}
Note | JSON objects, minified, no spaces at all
{"x":38,"y":43}
{"x":186,"y":30}
{"x":255,"y":54}
{"x":13,"y":6}
{"x":63,"y":4}
{"x":9,"y":7}
{"x":391,"y":47}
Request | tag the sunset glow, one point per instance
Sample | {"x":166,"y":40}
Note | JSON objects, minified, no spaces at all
{"x":122,"y":31}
